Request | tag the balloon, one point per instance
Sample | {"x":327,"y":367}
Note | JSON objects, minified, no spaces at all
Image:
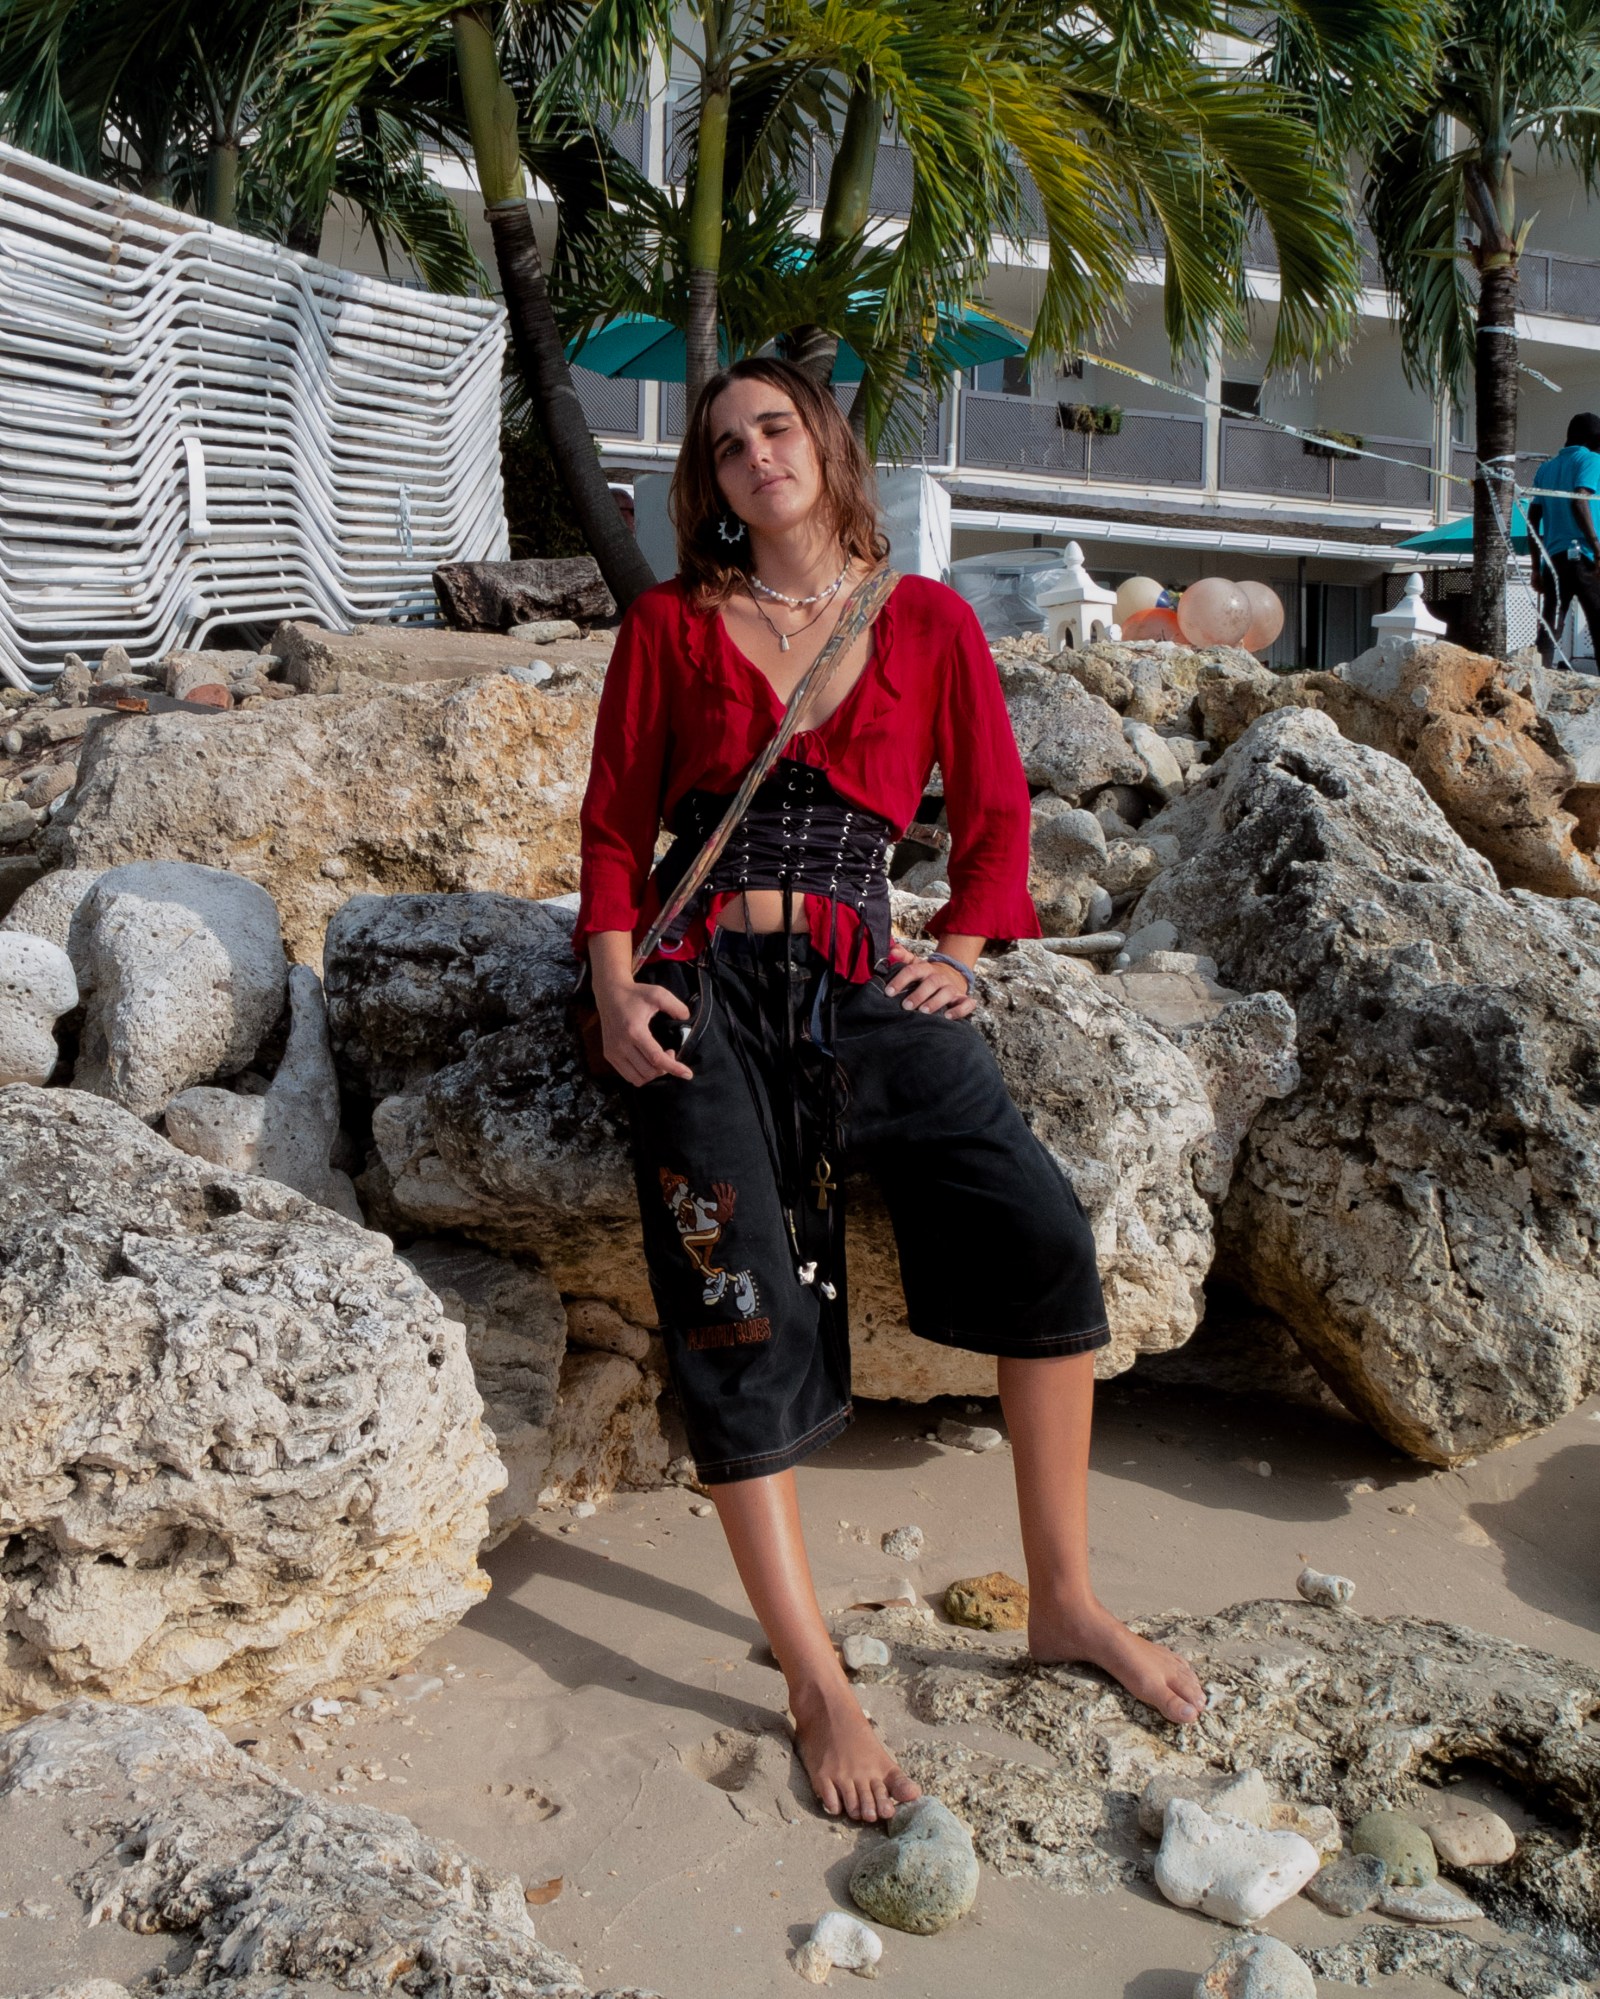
{"x":1156,"y":623}
{"x":1213,"y":612}
{"x":1266,"y":616}
{"x":1139,"y":593}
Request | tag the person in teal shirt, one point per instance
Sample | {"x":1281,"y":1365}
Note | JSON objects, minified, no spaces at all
{"x":1567,"y":554}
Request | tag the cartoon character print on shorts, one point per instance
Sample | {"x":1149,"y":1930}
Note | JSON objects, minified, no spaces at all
{"x":700,"y":1223}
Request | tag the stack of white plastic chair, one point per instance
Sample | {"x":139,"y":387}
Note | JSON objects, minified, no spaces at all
{"x":200,"y":429}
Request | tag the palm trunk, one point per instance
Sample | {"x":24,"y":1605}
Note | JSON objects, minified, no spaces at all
{"x":1493,"y":490}
{"x":222,"y":182}
{"x":844,"y":214}
{"x":535,"y":338}
{"x":705,"y":239}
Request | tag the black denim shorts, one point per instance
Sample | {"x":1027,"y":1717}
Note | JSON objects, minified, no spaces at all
{"x":996,"y":1255}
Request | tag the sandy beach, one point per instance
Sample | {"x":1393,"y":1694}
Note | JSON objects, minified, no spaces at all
{"x":608,"y":1725}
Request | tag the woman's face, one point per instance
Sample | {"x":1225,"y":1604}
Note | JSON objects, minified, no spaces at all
{"x":766,"y":464}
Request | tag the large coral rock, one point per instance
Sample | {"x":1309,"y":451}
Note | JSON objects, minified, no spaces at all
{"x":1175,"y":687}
{"x":242,"y":1460}
{"x":494,"y":596}
{"x":448,"y":1014}
{"x":1332,"y":1708}
{"x":1417,"y":1211}
{"x":317,"y":661}
{"x":36,"y":987}
{"x":473,"y":785}
{"x":271,"y":1889}
{"x":1071,"y":740}
{"x":185,"y":973}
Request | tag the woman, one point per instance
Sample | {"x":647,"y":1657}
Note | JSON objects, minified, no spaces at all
{"x":777,"y":1033}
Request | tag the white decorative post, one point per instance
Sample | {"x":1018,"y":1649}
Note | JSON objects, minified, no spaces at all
{"x":1076,"y":609}
{"x":1410,"y":622}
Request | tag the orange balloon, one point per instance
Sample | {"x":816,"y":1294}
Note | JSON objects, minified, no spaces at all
{"x":1213,"y":612}
{"x":1156,"y":623}
{"x":1266,"y":616}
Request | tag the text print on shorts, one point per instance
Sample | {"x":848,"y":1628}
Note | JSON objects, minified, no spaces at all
{"x":699,"y":1223}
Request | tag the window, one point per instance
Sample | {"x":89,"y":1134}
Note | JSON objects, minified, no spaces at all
{"x":1241,"y":398}
{"x":1010,"y":377}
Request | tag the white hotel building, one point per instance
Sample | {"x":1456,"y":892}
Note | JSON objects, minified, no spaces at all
{"x":1197,"y":484}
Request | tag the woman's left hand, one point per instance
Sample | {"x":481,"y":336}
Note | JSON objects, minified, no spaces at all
{"x":922,"y":987}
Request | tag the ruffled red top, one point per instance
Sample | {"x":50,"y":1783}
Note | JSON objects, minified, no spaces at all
{"x":683,"y":709}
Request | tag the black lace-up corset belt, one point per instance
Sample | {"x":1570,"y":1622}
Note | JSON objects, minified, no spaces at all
{"x":799,"y":834}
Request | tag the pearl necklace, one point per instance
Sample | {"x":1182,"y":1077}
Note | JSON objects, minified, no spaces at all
{"x":801,"y":603}
{"x":783,"y":637}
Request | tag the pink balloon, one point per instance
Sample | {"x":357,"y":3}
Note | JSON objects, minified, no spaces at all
{"x":1266,"y":616}
{"x":1213,"y":612}
{"x":1156,"y":623}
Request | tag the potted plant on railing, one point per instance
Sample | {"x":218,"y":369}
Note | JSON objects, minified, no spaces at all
{"x":1091,"y":419}
{"x":1332,"y":444}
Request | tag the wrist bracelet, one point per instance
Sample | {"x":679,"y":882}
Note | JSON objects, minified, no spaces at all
{"x":966,"y":971}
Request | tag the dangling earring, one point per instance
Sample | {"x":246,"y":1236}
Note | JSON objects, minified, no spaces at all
{"x":731,"y":530}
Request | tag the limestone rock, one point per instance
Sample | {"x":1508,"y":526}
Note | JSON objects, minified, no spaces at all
{"x":1430,"y":1902}
{"x":606,"y":1429}
{"x":1512,"y":1968}
{"x":1464,"y":1833}
{"x":1347,"y":1711}
{"x":494,"y":596}
{"x":433,"y":787}
{"x":1236,"y":1795}
{"x":36,"y":988}
{"x":319,"y":662}
{"x":601,"y":1328}
{"x":1400,"y":1843}
{"x":924,"y":1876}
{"x":288,"y":1133}
{"x":18,"y":873}
{"x":995,"y":1602}
{"x":244,"y":1462}
{"x":49,"y":907}
{"x":848,"y":1942}
{"x":1071,"y":741}
{"x":1349,"y":1884}
{"x":1332,"y":1592}
{"x":186,"y":974}
{"x":1413,"y":1209}
{"x":1257,"y":1968}
{"x":269,"y":1887}
{"x":1162,"y":775}
{"x":1226,"y":1868}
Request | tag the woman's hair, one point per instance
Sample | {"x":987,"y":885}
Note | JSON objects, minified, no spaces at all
{"x":708,"y":564}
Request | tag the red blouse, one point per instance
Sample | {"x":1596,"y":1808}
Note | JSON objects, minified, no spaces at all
{"x":682,"y":708}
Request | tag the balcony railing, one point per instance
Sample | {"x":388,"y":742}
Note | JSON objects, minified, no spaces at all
{"x":1017,"y":434}
{"x":611,"y":409}
{"x":1258,"y":459}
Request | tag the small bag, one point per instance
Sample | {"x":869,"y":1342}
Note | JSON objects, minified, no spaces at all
{"x":583,"y":1009}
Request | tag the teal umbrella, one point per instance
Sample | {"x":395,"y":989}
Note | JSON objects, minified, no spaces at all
{"x":1455,"y":537}
{"x":639,"y":348}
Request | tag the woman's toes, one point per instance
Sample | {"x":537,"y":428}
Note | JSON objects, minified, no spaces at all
{"x":903,"y":1788}
{"x":881,"y":1806}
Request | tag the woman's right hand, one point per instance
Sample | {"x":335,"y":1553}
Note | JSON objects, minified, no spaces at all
{"x":627,"y":1008}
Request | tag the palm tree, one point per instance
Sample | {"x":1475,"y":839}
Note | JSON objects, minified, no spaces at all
{"x":350,"y":48}
{"x":1508,"y":78}
{"x":170,"y":100}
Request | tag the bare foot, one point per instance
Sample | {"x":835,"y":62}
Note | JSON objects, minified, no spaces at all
{"x":1150,"y":1672}
{"x":850,"y":1769}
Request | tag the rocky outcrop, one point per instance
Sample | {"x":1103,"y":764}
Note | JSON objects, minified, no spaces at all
{"x":1071,"y":741}
{"x":317,"y":662}
{"x":271,"y":1889}
{"x":1333,"y":1709}
{"x":567,"y":1425}
{"x":49,"y":906}
{"x":1415,"y":1210}
{"x":288,"y":1132}
{"x":473,"y":786}
{"x":242,"y":1461}
{"x":494,"y":596}
{"x":184,"y":971}
{"x":448,"y":1015}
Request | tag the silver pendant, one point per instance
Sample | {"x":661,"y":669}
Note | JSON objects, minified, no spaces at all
{"x":783,"y":641}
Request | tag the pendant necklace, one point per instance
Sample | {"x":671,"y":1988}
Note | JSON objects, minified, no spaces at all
{"x":784,"y":637}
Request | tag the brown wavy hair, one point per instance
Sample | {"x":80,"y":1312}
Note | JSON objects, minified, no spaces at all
{"x":710,"y":569}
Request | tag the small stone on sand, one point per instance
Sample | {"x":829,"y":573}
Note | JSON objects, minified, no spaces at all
{"x":1349,"y":1885}
{"x":1400,"y":1843}
{"x":1434,"y":1902}
{"x":1464,"y":1833}
{"x":903,"y":1544}
{"x":968,"y":1436}
{"x":924,"y":1876}
{"x":995,"y":1602}
{"x":846,"y":1942}
{"x":702,"y":1509}
{"x":1332,"y":1592}
{"x":1257,"y":1968}
{"x":865,"y":1656}
{"x":1228,"y":1869}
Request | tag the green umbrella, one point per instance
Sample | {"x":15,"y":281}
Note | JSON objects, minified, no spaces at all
{"x":1455,"y":537}
{"x":639,"y":348}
